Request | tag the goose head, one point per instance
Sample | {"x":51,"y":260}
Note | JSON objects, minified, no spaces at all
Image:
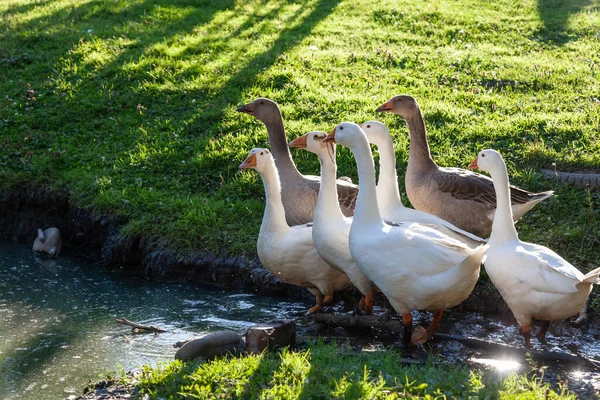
{"x":263,"y":109}
{"x":313,"y":142}
{"x":487,"y":160}
{"x":376,"y":131}
{"x":258,"y":159}
{"x":348,"y":134}
{"x":402,"y":105}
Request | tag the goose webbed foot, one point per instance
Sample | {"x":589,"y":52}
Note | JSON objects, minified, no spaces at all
{"x":422,"y":335}
{"x":314,"y":309}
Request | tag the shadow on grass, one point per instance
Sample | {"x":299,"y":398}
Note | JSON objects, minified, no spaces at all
{"x":555,"y":15}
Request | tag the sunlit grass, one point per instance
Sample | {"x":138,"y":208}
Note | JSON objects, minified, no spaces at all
{"x":330,"y":371}
{"x":130,"y":105}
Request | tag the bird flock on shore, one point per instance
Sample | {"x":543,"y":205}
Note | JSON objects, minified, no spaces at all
{"x":325,"y":234}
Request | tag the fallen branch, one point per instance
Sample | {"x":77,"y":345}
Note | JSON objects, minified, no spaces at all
{"x":366,"y":321}
{"x":134,"y":326}
{"x":385,"y":323}
{"x":522,"y":353}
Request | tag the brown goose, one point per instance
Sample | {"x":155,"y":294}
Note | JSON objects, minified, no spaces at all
{"x":462,"y":197}
{"x":298,"y":192}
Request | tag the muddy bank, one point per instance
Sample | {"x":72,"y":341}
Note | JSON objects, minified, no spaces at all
{"x":23,"y":210}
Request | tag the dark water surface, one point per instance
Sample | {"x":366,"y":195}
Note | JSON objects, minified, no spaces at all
{"x":57,"y":328}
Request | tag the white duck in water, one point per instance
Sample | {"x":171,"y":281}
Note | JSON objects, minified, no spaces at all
{"x":534,"y":281}
{"x":461,"y":197}
{"x":289,"y":252}
{"x":298,"y":192}
{"x":388,"y":195}
{"x":330,"y":228}
{"x":415,"y":266}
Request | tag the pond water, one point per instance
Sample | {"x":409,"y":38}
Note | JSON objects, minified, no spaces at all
{"x":57,"y":328}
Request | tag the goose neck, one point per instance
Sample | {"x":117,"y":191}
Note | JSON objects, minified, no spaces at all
{"x":503,"y":227}
{"x":419,"y":155}
{"x":279,"y":147}
{"x":387,"y":186}
{"x":274,"y":216}
{"x":367,"y":210}
{"x":328,"y":207}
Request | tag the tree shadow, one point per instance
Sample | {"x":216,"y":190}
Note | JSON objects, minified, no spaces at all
{"x":555,"y":15}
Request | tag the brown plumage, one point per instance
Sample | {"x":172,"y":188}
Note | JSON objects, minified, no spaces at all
{"x":462,"y":197}
{"x":298,"y":192}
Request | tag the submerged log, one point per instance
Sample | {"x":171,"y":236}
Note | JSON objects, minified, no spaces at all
{"x":210,"y":346}
{"x":134,"y":326}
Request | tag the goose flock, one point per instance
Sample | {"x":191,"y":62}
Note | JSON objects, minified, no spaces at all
{"x":325,"y":234}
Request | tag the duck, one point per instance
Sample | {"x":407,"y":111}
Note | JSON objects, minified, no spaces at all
{"x":388,"y":195}
{"x":330,"y":227}
{"x":288,"y":252}
{"x":535,"y":282}
{"x":415,"y":266}
{"x":464,"y":198}
{"x":298,"y":192}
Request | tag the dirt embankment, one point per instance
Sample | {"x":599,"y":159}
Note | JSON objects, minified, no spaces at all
{"x":23,"y":211}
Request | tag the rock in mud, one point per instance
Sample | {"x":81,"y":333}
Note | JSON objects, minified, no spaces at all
{"x":270,"y":335}
{"x":48,"y":241}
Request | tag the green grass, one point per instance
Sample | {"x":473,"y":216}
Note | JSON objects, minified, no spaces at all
{"x":129,"y":105}
{"x":330,"y":371}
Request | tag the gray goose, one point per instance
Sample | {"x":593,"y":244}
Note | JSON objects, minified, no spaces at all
{"x":459,"y":196}
{"x":299,"y":192}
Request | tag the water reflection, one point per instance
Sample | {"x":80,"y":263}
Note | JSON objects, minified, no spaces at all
{"x":498,"y":365}
{"x":57,"y":327}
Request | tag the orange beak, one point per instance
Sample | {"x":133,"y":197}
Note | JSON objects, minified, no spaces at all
{"x":473,"y":164}
{"x":249,"y":162}
{"x":389,"y":106}
{"x":330,"y":137}
{"x":247,"y":108}
{"x":299,"y":142}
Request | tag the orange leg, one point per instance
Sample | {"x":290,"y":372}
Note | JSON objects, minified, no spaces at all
{"x":361,"y":304}
{"x":328,"y":299}
{"x":437,"y":317}
{"x":541,"y":335}
{"x":526,"y":332}
{"x":369,"y":303}
{"x":319,"y":306}
{"x":407,"y":322}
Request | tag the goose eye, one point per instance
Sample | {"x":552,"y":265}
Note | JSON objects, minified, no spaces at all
{"x":261,"y":153}
{"x":341,"y":128}
{"x":262,"y":102}
{"x":483,"y":155}
{"x":368,"y":126}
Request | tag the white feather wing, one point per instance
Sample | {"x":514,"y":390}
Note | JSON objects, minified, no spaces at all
{"x":544,"y":270}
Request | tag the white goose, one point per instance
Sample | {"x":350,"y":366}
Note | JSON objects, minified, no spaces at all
{"x":388,"y":195}
{"x":330,"y":228}
{"x":534,"y":281}
{"x":289,"y":252}
{"x":415,"y":266}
